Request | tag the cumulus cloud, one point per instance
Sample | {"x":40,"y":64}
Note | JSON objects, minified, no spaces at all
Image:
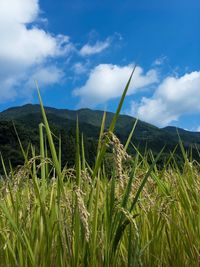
{"x":97,"y":48}
{"x":24,"y":48}
{"x":18,"y":11}
{"x":173,"y":98}
{"x":107,"y":81}
{"x":45,"y":76}
{"x":11,"y":87}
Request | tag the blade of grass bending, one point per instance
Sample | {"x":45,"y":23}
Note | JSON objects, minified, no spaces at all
{"x":112,"y":196}
{"x":102,"y":152}
{"x":170,"y":157}
{"x":42,"y":151}
{"x":78,"y":163}
{"x":11,"y":171}
{"x":99,"y":143}
{"x":20,"y":144}
{"x":130,"y":135}
{"x":197,"y":150}
{"x":145,"y":180}
{"x":101,"y":131}
{"x":182,"y":147}
{"x":137,"y":151}
{"x":130,"y":247}
{"x":89,"y":168}
{"x":119,"y":233}
{"x":49,"y":136}
{"x":3,"y":165}
{"x":42,"y":161}
{"x":46,"y":156}
{"x":129,"y":185}
{"x":95,"y":223}
{"x":114,"y":120}
{"x":152,"y":158}
{"x":140,"y":154}
{"x":60,"y":151}
{"x":34,"y":171}
{"x":83,"y":153}
{"x":76,"y":217}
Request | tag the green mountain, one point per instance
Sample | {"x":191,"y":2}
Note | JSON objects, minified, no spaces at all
{"x":27,"y":118}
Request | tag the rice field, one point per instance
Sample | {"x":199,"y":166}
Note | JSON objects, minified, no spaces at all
{"x":137,"y":215}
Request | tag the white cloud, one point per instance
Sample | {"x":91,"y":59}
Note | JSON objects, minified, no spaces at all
{"x":80,"y":68}
{"x":107,"y":81}
{"x":24,"y":48}
{"x":18,"y":11}
{"x":198,"y":129}
{"x":173,"y":98}
{"x":11,"y":87}
{"x":97,"y":48}
{"x":45,"y":76}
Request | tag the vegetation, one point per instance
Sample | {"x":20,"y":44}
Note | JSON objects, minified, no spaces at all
{"x":133,"y":215}
{"x":63,"y":123}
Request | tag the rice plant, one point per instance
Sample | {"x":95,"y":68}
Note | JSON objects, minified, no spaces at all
{"x":135,"y":215}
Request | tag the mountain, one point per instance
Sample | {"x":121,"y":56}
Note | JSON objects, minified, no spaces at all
{"x":27,"y":118}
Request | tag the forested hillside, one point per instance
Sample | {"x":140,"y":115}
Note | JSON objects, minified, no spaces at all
{"x":63,"y":123}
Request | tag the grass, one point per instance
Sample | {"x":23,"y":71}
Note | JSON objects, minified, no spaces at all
{"x":139,"y":215}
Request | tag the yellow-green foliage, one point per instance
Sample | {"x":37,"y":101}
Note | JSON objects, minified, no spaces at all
{"x":92,"y":224}
{"x":138,"y":215}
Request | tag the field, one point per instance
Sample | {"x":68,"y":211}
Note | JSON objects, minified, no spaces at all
{"x":135,"y":214}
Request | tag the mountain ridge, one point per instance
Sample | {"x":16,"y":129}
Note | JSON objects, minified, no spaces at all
{"x":27,"y":118}
{"x":10,"y":114}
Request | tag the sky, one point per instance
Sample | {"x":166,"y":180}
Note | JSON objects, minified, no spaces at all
{"x":82,"y":52}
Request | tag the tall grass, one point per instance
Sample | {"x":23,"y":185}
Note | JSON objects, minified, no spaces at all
{"x":83,"y":216}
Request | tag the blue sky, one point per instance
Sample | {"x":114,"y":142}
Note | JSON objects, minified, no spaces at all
{"x":82,"y":52}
